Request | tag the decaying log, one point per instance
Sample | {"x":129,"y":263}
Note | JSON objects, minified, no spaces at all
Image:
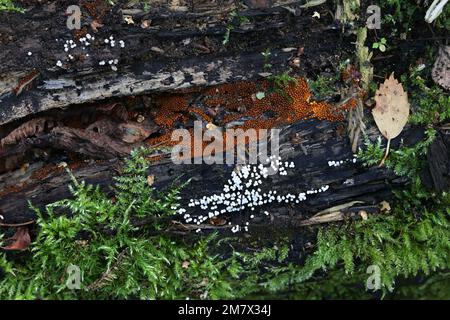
{"x":170,"y":48}
{"x":167,"y":48}
{"x":436,"y":174}
{"x":309,"y":144}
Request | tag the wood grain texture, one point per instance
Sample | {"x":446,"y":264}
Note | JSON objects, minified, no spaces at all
{"x":315,"y":144}
{"x":179,"y":49}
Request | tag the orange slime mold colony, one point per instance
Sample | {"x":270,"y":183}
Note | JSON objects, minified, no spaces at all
{"x":238,"y":101}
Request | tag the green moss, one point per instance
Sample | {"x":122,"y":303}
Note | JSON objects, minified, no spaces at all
{"x":430,"y":104}
{"x":116,"y":260}
{"x":414,"y":240}
{"x":404,"y":161}
{"x":8,"y":5}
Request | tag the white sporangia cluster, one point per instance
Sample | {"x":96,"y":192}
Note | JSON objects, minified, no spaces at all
{"x":243,"y":191}
{"x":85,"y":42}
{"x":112,"y":42}
{"x":69,"y":44}
{"x":337,"y":163}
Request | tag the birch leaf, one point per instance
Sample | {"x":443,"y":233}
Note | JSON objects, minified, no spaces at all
{"x":392,"y":108}
{"x":150,"y":180}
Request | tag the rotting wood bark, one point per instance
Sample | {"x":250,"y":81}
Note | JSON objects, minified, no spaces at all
{"x":319,"y":139}
{"x":169,"y":54}
{"x":177,"y":49}
{"x":436,"y":173}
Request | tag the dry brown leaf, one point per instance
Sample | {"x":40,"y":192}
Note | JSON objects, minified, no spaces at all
{"x":324,"y":218}
{"x":146,"y":23}
{"x":337,"y":208}
{"x":363,"y":214}
{"x":21,"y":240}
{"x":385,"y":207}
{"x":128,"y":19}
{"x":391,"y":111}
{"x":95,"y":25}
{"x":441,"y":68}
{"x":150,"y":180}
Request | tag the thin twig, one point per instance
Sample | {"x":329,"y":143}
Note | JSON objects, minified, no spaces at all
{"x":14,"y":225}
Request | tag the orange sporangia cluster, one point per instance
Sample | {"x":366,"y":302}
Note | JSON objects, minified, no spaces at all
{"x":232,"y":96}
{"x":240,"y":107}
{"x":289,"y":106}
{"x":171,"y":108}
{"x":97,"y":9}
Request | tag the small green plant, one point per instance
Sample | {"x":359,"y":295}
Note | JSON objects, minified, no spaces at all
{"x":8,"y":5}
{"x":380,"y":45}
{"x":278,"y":83}
{"x":234,"y":19}
{"x":323,"y":87}
{"x":282,"y":80}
